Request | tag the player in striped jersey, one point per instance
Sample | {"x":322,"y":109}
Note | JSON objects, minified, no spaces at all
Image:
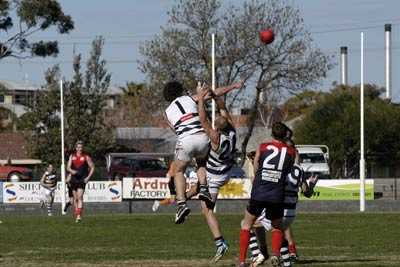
{"x":49,"y":184}
{"x":219,"y":162}
{"x":183,"y":117}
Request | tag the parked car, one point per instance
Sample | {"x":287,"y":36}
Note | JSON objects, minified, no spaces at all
{"x":15,"y":173}
{"x":137,"y":167}
{"x":314,"y":160}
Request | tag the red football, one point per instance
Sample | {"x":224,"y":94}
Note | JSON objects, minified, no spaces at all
{"x":267,"y":36}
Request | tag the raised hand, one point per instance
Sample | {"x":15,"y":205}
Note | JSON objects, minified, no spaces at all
{"x":313,"y":179}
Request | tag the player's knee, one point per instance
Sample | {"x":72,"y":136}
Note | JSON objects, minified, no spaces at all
{"x":207,"y":208}
{"x":277,"y":223}
{"x":245,"y":225}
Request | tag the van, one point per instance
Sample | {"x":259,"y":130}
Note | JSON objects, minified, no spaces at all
{"x":314,"y":160}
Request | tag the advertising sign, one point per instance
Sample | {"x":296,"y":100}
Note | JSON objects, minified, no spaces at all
{"x":157,"y":188}
{"x":345,"y":189}
{"x":31,"y":192}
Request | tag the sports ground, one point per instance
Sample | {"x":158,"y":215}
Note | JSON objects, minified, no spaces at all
{"x":347,"y":239}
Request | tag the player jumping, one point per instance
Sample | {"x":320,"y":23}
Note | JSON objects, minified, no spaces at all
{"x":182,"y":116}
{"x":219,"y":162}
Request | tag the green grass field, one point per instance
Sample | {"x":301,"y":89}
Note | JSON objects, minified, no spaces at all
{"x":153,"y":240}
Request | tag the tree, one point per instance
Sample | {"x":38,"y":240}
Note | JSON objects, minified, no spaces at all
{"x":84,"y":103}
{"x":182,"y":51}
{"x":335,"y":121}
{"x":136,"y":103}
{"x":301,"y":103}
{"x":20,"y":19}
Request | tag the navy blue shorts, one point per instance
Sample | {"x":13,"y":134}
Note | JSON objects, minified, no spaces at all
{"x":273,"y":211}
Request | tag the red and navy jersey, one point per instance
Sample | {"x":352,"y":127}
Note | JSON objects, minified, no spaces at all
{"x":274,"y":164}
{"x":80,"y":164}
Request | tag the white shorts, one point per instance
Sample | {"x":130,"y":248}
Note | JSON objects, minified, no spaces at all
{"x":288,"y":218}
{"x":216,"y":181}
{"x":192,"y":146}
{"x":46,"y":192}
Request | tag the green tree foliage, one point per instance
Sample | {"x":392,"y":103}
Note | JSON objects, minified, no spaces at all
{"x":137,"y":105}
{"x":183,"y":50}
{"x":335,"y":121}
{"x":84,"y":103}
{"x":20,"y":19}
{"x":300,"y":104}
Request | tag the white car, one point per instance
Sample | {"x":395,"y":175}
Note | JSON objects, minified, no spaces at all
{"x":314,"y":160}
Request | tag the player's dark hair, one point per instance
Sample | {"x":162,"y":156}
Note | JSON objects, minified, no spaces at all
{"x":279,"y":131}
{"x":289,"y":133}
{"x":172,"y":90}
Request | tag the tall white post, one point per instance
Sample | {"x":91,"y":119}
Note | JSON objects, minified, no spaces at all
{"x":388,"y":61}
{"x":343,"y":65}
{"x":213,"y":78}
{"x":63,"y":200}
{"x":362,"y":159}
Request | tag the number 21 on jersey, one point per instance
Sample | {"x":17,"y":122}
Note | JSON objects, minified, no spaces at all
{"x":273,"y":164}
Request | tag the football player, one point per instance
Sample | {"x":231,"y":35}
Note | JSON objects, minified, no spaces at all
{"x":49,"y":184}
{"x":183,"y":117}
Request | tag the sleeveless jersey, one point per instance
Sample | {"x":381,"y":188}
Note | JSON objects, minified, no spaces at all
{"x":79,"y":164}
{"x":183,"y":115}
{"x":275,"y":162}
{"x":221,"y":160}
{"x":293,"y":182}
{"x":50,"y":179}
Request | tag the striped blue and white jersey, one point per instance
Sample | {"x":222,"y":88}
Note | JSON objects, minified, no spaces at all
{"x":50,"y":179}
{"x":221,"y":160}
{"x":293,"y":182}
{"x":183,"y":115}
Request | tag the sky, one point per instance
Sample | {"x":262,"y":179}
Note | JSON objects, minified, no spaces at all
{"x":126,"y":24}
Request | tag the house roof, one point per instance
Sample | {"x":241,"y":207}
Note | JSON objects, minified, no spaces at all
{"x":27,"y":86}
{"x":19,"y":85}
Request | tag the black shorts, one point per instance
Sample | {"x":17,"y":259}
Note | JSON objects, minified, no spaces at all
{"x":273,"y":211}
{"x":74,"y":185}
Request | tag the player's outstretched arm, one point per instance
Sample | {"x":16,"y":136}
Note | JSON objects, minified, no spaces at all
{"x":223,"y":110}
{"x":205,"y":123}
{"x":219,"y":91}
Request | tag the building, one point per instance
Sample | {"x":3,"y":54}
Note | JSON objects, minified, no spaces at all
{"x":17,"y":96}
